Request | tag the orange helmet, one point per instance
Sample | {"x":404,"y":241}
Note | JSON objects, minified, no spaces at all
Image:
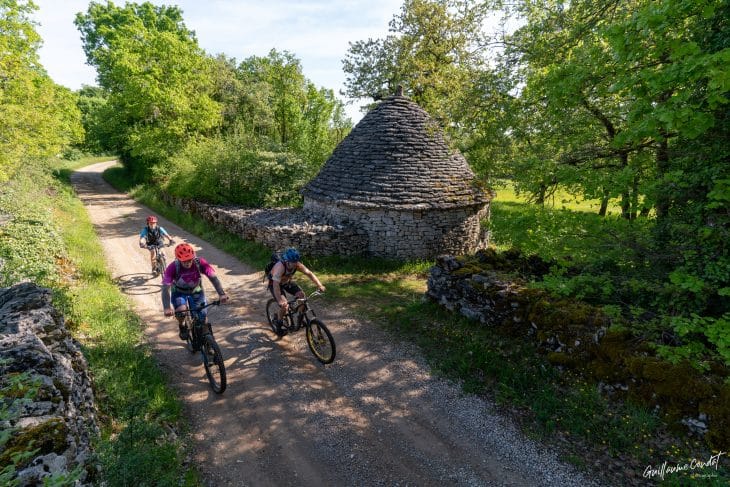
{"x":184,"y":251}
{"x":151,"y":219}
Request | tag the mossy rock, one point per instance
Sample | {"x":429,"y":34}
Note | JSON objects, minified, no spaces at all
{"x":563,"y":359}
{"x":47,"y":437}
{"x":615,"y":345}
{"x":718,"y":411}
{"x":607,"y":371}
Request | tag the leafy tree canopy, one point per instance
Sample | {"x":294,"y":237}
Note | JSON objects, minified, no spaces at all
{"x":158,"y":79}
{"x":37,"y":117}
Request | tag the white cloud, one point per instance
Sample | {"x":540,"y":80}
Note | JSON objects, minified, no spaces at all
{"x":316,"y":32}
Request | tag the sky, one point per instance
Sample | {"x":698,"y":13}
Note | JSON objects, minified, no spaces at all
{"x":316,"y":32}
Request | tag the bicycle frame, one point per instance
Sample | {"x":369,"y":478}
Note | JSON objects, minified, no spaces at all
{"x":299,"y":308}
{"x":194,"y":314}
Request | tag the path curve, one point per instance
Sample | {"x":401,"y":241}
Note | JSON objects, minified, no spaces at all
{"x":373,"y":417}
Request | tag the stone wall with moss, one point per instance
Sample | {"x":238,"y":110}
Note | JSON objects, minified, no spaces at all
{"x":492,"y":288}
{"x":319,"y":230}
{"x":47,"y":402}
{"x":280,"y":228}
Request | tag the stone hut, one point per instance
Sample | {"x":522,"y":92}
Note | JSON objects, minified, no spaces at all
{"x":395,"y":178}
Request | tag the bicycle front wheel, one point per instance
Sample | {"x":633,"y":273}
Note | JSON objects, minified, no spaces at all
{"x":215,"y":369}
{"x":320,"y":341}
{"x":272,"y":308}
{"x":190,"y":340}
{"x":162,"y":263}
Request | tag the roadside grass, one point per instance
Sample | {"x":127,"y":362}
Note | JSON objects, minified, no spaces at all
{"x":137,"y":410}
{"x":551,"y":405}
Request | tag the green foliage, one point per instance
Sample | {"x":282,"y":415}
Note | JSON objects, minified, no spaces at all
{"x":139,"y":454}
{"x":28,"y":239}
{"x":92,"y":104}
{"x":230,"y":170}
{"x":431,"y":53}
{"x":158,"y":80}
{"x":693,"y":331}
{"x":269,"y":100}
{"x":37,"y":117}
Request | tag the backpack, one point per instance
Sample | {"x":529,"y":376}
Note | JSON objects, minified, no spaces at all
{"x":153,"y":236}
{"x":275,"y":257}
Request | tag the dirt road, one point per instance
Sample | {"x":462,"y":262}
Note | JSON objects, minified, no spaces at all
{"x":373,"y":417}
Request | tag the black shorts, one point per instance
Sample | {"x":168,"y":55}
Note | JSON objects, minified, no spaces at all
{"x":290,"y":287}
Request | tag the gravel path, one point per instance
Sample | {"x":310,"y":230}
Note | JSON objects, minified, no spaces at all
{"x":373,"y":417}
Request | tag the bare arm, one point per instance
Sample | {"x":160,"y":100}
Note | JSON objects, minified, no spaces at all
{"x":304,"y":270}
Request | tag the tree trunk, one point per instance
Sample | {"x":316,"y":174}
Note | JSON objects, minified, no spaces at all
{"x":604,"y":203}
{"x":540,"y":195}
{"x":626,"y":205}
{"x":634,"y":197}
{"x":626,"y":194}
{"x":662,"y":164}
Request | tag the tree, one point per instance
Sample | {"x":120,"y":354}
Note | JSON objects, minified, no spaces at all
{"x":92,"y":102}
{"x":611,"y":81}
{"x":37,"y":117}
{"x":284,"y":110}
{"x":158,"y":79}
{"x":436,"y":45}
{"x":631,"y":99}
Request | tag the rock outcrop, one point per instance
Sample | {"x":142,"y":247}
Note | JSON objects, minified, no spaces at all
{"x":46,"y":392}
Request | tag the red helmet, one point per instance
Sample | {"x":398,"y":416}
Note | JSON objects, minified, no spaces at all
{"x":151,"y":219}
{"x":184,"y":251}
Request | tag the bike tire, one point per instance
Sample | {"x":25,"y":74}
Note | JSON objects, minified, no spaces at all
{"x":320,"y":342}
{"x":215,"y":367}
{"x":272,"y":308}
{"x":162,"y":263}
{"x":190,"y":341}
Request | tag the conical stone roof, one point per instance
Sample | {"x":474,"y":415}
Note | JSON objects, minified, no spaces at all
{"x":396,"y":157}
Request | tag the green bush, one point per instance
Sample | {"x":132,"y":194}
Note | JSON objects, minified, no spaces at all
{"x":230,"y":170}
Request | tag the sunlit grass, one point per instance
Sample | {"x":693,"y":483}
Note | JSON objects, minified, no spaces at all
{"x":560,"y":200}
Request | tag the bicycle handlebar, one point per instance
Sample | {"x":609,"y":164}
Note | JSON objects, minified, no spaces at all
{"x":159,"y":246}
{"x":314,"y":294}
{"x":190,"y":311}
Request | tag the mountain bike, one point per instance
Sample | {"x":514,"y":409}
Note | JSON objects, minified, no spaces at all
{"x":300,"y":314}
{"x":200,"y":339}
{"x":160,"y":259}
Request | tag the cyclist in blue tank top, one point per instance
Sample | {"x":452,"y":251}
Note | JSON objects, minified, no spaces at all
{"x":152,"y":234}
{"x":280,"y":281}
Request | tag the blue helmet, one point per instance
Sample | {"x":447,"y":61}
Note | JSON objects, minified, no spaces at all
{"x":291,"y":255}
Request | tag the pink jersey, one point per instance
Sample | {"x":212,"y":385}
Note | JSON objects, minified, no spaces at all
{"x":188,"y":278}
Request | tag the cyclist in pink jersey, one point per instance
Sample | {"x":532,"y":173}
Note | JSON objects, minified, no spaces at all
{"x":183,"y":279}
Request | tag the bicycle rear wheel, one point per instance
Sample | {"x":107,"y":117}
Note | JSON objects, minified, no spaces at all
{"x":215,"y":369}
{"x":320,"y":341}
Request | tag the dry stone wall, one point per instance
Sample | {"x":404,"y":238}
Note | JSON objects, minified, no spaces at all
{"x":60,"y":418}
{"x":408,"y":234}
{"x":280,"y":228}
{"x":329,"y":230}
{"x":575,"y":335}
